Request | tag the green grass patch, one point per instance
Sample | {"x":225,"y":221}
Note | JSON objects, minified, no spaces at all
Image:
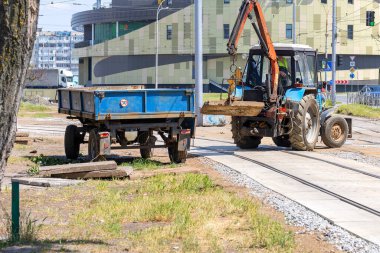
{"x":214,"y":96}
{"x":188,"y":213}
{"x":188,"y":210}
{"x":146,"y":164}
{"x":29,"y":107}
{"x":359,"y":111}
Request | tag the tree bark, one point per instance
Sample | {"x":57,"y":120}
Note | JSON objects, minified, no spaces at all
{"x":18,"y":24}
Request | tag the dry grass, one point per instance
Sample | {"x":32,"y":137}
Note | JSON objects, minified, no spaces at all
{"x":35,"y":111}
{"x":166,"y":213}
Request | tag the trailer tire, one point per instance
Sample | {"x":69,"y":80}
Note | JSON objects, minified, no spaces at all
{"x":243,"y":142}
{"x":334,"y":132}
{"x":177,"y":156}
{"x":94,"y":146}
{"x":72,"y":142}
{"x":146,"y":153}
{"x":306,"y":125}
{"x":282,"y":141}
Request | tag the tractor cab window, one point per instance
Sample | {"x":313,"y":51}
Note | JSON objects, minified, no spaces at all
{"x":311,"y":65}
{"x":257,"y":68}
{"x":285,"y":67}
{"x":302,"y":71}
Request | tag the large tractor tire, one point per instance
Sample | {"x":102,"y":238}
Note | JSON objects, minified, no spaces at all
{"x":306,"y":125}
{"x":72,"y":142}
{"x":243,"y":142}
{"x":144,"y":140}
{"x":334,"y":132}
{"x":282,"y":141}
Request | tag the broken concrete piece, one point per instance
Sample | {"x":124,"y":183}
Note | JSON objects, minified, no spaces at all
{"x":46,"y":182}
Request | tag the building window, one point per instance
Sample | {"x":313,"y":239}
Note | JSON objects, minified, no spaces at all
{"x":226,"y":1}
{"x":289,"y":31}
{"x":289,"y":1}
{"x":324,"y":1}
{"x":169,"y":32}
{"x":226,"y":28}
{"x":350,"y":32}
{"x":351,"y":1}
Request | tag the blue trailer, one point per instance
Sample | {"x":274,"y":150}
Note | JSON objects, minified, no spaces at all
{"x":131,"y":118}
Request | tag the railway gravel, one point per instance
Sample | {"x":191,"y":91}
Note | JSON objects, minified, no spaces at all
{"x":298,"y":215}
{"x":355,"y":156}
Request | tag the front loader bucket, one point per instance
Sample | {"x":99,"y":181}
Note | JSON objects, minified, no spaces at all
{"x":235,"y":108}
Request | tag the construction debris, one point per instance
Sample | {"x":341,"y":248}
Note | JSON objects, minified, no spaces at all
{"x":107,"y":169}
{"x":46,"y":182}
{"x":22,"y":138}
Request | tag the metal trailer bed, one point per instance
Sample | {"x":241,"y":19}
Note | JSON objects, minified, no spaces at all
{"x":128,"y":117}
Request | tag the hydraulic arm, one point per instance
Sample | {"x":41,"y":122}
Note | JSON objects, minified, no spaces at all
{"x":265,"y":40}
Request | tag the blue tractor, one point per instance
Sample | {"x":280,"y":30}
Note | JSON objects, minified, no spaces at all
{"x":278,"y":93}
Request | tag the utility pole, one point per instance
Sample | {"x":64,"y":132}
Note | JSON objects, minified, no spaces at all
{"x":326,"y":43}
{"x":334,"y":37}
{"x":159,"y":9}
{"x":294,"y":22}
{"x":198,"y":61}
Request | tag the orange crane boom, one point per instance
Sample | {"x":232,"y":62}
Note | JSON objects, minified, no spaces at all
{"x":261,"y":30}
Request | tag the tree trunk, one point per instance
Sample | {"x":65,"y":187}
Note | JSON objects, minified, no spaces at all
{"x":18,"y":23}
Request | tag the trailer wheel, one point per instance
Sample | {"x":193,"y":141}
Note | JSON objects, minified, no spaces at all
{"x":143,"y":140}
{"x":177,"y":156}
{"x":334,"y":132}
{"x":94,"y":146}
{"x":306,"y":125}
{"x":282,"y":141}
{"x":72,"y":142}
{"x":243,"y":142}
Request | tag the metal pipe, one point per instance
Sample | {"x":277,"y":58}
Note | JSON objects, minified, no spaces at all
{"x":294,"y":22}
{"x":157,"y":43}
{"x":334,"y":37}
{"x":198,"y":61}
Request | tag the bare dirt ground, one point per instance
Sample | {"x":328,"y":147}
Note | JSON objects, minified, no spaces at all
{"x":49,"y":143}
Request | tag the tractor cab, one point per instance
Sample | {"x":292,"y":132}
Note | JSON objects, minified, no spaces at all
{"x":297,"y":65}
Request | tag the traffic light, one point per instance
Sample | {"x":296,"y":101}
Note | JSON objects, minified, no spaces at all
{"x":370,"y":20}
{"x":340,"y":60}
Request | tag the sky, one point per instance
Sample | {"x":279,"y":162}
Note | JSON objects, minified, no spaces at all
{"x":57,"y":16}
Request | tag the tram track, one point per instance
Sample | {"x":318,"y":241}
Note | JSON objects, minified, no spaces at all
{"x":300,"y":180}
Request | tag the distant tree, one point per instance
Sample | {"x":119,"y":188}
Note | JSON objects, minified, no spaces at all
{"x":18,"y":25}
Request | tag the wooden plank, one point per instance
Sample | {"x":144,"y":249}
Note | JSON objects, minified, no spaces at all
{"x":236,"y":108}
{"x":118,"y":173}
{"x":21,"y":134}
{"x":22,"y":140}
{"x":48,"y":171}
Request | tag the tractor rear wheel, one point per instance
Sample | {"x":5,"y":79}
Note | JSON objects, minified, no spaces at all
{"x":306,"y":125}
{"x":243,"y":142}
{"x":334,"y":132}
{"x":282,"y":141}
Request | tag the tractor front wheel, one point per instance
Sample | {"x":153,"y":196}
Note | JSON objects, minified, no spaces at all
{"x":306,"y":125}
{"x":334,"y":132}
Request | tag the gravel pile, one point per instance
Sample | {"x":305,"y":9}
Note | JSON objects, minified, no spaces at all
{"x":298,"y":215}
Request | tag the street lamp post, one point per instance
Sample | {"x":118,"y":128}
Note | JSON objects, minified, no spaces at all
{"x":159,"y":9}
